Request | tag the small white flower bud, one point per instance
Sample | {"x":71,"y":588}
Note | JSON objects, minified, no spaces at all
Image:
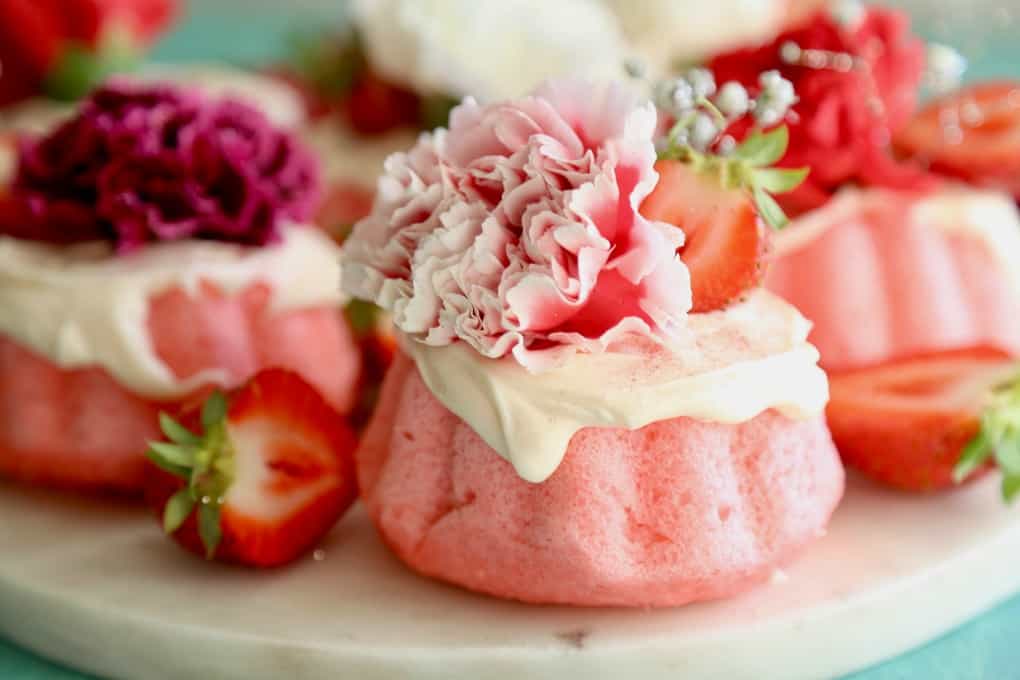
{"x":703,"y":132}
{"x":847,"y":13}
{"x":733,"y":100}
{"x":767,"y":115}
{"x":702,"y":82}
{"x":945,"y":67}
{"x":790,"y":52}
{"x":768,"y":79}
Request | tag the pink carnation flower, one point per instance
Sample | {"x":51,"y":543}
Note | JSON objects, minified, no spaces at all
{"x":518,"y":231}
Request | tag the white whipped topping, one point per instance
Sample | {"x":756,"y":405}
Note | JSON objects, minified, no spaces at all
{"x":729,"y":367}
{"x":278,"y":101}
{"x":666,"y":31}
{"x":488,"y":49}
{"x":79,"y":306}
{"x":989,"y":216}
{"x":351,"y":158}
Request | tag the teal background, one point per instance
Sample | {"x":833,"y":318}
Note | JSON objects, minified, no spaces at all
{"x":255,"y":32}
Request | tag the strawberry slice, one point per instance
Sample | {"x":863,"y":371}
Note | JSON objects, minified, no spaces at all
{"x":907,"y":423}
{"x":726,"y":242}
{"x":268,"y":476}
{"x":974,"y":135}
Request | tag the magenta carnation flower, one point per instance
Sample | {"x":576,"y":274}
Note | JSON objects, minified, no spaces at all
{"x":518,"y":231}
{"x":140,"y":164}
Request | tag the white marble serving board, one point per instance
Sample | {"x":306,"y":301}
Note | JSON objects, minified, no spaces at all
{"x":99,"y":589}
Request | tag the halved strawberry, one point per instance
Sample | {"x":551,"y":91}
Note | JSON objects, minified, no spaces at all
{"x":908,"y":422}
{"x":726,"y":241}
{"x":974,"y":134}
{"x":269,"y":475}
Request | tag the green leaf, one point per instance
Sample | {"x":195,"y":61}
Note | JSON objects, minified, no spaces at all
{"x":214,"y":410}
{"x":779,"y":180}
{"x":81,"y":68}
{"x":1007,"y":455}
{"x":762,"y":149}
{"x":769,"y":209}
{"x":434,"y":111}
{"x":177,"y":510}
{"x":176,"y":432}
{"x":175,"y":470}
{"x":181,"y":456}
{"x":974,"y":456}
{"x":362,"y":317}
{"x":1010,"y":487}
{"x":209,"y":527}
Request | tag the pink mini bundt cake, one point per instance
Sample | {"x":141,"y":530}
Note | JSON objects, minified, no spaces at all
{"x":152,"y":248}
{"x":887,"y":275}
{"x":674,"y":512}
{"x":81,"y":428}
{"x":560,"y":427}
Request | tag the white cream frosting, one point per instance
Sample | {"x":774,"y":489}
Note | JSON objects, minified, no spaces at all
{"x":728,"y":367}
{"x":351,"y":158}
{"x":278,"y":101}
{"x":667,"y":31}
{"x":78,"y":306}
{"x":487,"y":48}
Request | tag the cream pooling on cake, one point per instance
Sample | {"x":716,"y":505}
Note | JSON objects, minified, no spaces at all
{"x":79,"y":307}
{"x":728,"y":367}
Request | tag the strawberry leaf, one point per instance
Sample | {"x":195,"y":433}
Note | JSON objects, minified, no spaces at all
{"x":167,"y":466}
{"x":177,"y":510}
{"x":762,"y":149}
{"x":214,"y":410}
{"x":1010,"y":487}
{"x":181,"y":456}
{"x":176,"y":432}
{"x":209,"y":527}
{"x":769,"y":209}
{"x":779,"y":180}
{"x":998,"y":438}
{"x":974,"y":456}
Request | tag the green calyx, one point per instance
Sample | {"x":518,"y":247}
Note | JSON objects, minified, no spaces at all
{"x":206,"y":462}
{"x":997,"y":439}
{"x":747,"y":168}
{"x":81,"y":68}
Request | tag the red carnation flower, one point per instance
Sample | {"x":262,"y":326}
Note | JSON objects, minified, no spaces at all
{"x":140,"y":164}
{"x":847,"y":113}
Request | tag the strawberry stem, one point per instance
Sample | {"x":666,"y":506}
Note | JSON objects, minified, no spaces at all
{"x":997,"y":439}
{"x":205,"y":461}
{"x":747,"y":168}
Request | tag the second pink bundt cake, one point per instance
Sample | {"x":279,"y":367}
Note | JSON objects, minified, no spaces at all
{"x":887,"y":275}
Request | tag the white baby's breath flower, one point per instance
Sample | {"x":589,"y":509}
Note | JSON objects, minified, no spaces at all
{"x":733,"y":100}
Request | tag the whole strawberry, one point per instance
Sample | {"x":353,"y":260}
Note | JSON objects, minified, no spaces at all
{"x":267,"y":473}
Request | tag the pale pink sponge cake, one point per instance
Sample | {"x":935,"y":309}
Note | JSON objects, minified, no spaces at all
{"x":677,"y":511}
{"x":136,"y":277}
{"x":887,"y":275}
{"x":560,"y":426}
